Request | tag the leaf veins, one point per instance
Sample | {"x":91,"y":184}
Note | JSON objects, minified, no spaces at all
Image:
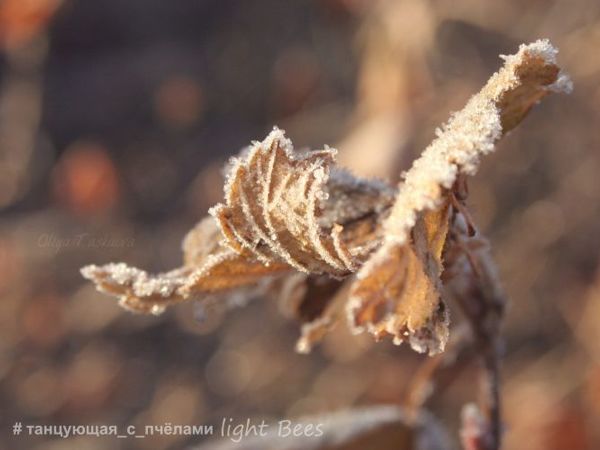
{"x":272,"y":204}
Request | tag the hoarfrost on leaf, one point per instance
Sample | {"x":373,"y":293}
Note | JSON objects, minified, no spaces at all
{"x":526,"y":77}
{"x":381,"y":248}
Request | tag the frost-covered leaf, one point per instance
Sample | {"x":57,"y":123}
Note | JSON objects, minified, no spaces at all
{"x":351,"y":229}
{"x":503,"y":102}
{"x":209,"y":268}
{"x":286,"y":210}
{"x":525,"y":78}
{"x":136,"y":289}
{"x":360,"y":206}
{"x":273,"y":200}
{"x":402,"y":297}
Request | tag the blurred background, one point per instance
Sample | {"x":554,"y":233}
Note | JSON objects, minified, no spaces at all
{"x":115,"y":119}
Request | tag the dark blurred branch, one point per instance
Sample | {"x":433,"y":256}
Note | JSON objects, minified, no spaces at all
{"x":472,"y":280}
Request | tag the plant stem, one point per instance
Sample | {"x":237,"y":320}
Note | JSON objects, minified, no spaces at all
{"x":476,"y":288}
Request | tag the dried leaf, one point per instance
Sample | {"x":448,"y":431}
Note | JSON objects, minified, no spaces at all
{"x":503,"y":102}
{"x":201,"y":241}
{"x":382,"y":301}
{"x":209,"y":268}
{"x":272,"y":203}
{"x":360,"y":206}
{"x":213,"y":267}
{"x":402,"y":297}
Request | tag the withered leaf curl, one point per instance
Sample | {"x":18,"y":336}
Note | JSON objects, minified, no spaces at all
{"x":270,"y":225}
{"x":272,"y":203}
{"x":287,"y":212}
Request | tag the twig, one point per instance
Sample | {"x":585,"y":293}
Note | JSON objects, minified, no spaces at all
{"x":422,"y":386}
{"x":479,"y":295}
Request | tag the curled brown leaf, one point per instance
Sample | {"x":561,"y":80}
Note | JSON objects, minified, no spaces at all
{"x":377,"y":303}
{"x":333,"y":242}
{"x":273,"y":201}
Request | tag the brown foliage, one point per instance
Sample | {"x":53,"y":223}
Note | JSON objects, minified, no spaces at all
{"x":286,"y":212}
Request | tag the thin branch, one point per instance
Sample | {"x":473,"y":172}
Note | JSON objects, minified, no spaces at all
{"x":422,"y":385}
{"x":478,"y":293}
